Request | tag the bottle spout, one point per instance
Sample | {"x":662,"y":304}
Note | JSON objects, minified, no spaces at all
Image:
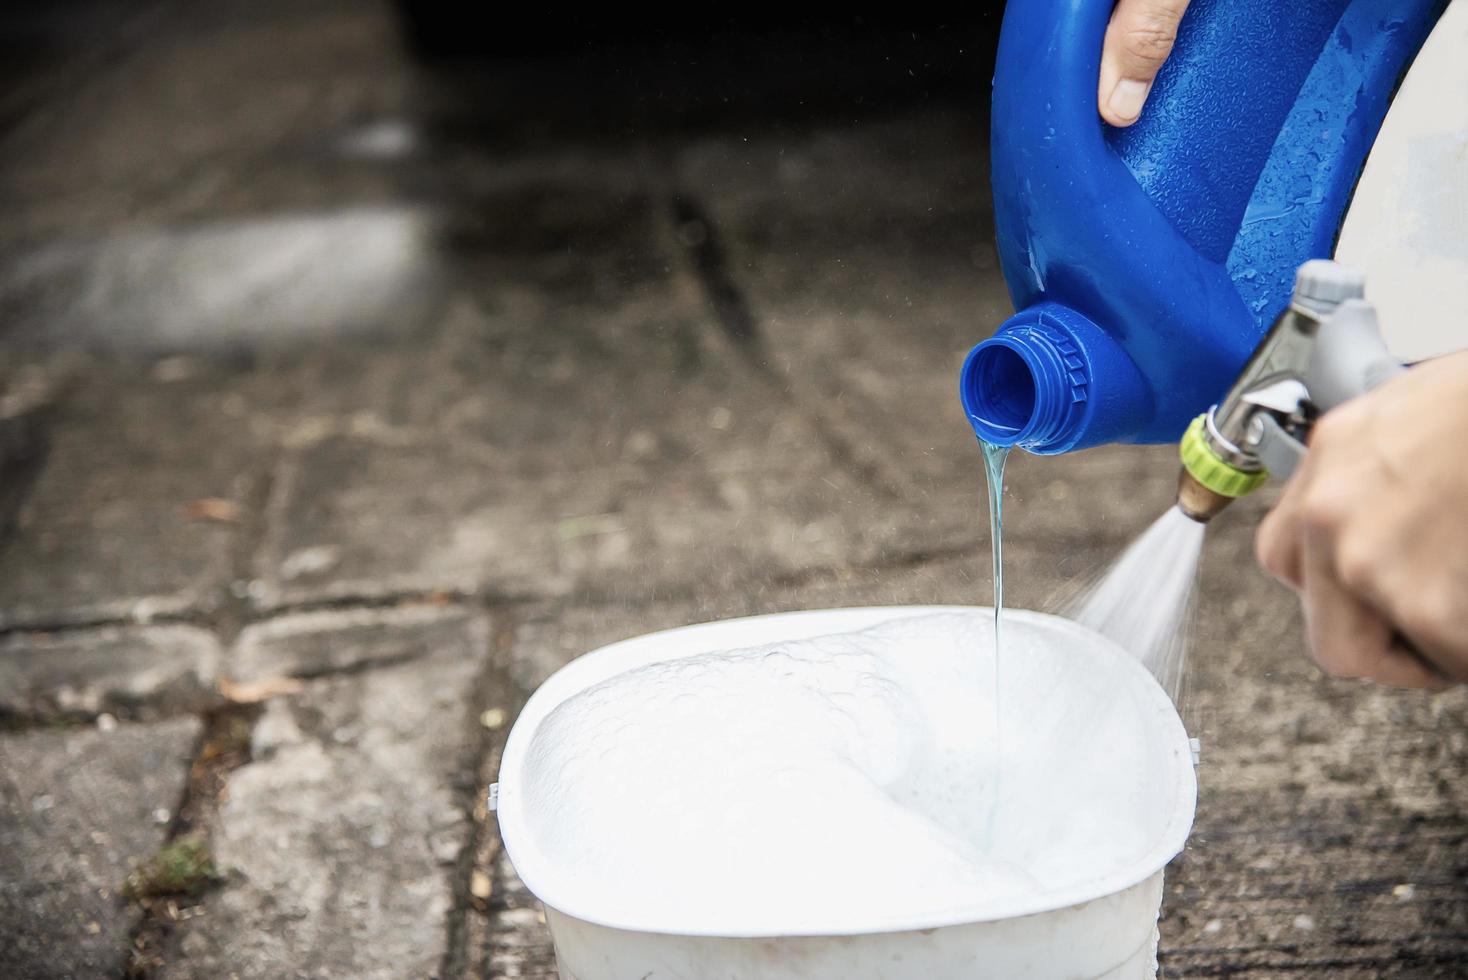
{"x":1007,"y":390}
{"x":1050,"y":381}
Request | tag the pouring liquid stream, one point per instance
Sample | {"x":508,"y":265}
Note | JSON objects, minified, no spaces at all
{"x":994,"y":458}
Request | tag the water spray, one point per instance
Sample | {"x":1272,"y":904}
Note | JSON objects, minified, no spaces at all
{"x":1324,"y":349}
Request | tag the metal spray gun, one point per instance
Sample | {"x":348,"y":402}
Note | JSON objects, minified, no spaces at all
{"x":1326,"y":348}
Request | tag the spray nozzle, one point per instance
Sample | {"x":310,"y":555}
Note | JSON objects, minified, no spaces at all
{"x":1324,"y":349}
{"x":1274,"y":420}
{"x":1209,"y":481}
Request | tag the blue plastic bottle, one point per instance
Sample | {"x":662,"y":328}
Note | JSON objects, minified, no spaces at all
{"x":1146,"y":262}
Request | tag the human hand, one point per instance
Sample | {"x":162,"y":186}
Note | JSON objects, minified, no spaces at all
{"x":1372,"y":532}
{"x":1138,"y":40}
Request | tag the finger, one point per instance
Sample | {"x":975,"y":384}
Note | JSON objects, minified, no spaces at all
{"x":1138,"y":40}
{"x":1278,"y":542}
{"x":1389,"y":573}
{"x":1347,"y":637}
{"x":1437,"y":677}
{"x":1403,"y":667}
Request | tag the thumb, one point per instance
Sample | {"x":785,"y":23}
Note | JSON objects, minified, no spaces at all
{"x":1138,"y":40}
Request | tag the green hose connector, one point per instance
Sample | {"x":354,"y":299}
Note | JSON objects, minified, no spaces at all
{"x":1205,"y":465}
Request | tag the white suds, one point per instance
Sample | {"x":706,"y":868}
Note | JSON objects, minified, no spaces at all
{"x":850,"y":776}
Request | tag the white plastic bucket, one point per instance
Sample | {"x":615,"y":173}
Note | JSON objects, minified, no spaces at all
{"x":1102,"y":928}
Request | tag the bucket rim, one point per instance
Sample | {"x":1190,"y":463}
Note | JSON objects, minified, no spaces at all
{"x":538,"y":871}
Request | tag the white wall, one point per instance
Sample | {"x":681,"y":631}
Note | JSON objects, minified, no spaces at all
{"x":1408,"y":223}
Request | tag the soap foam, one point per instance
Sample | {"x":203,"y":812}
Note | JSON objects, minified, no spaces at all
{"x":853,"y":774}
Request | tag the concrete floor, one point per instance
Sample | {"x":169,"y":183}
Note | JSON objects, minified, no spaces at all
{"x":341,"y":402}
